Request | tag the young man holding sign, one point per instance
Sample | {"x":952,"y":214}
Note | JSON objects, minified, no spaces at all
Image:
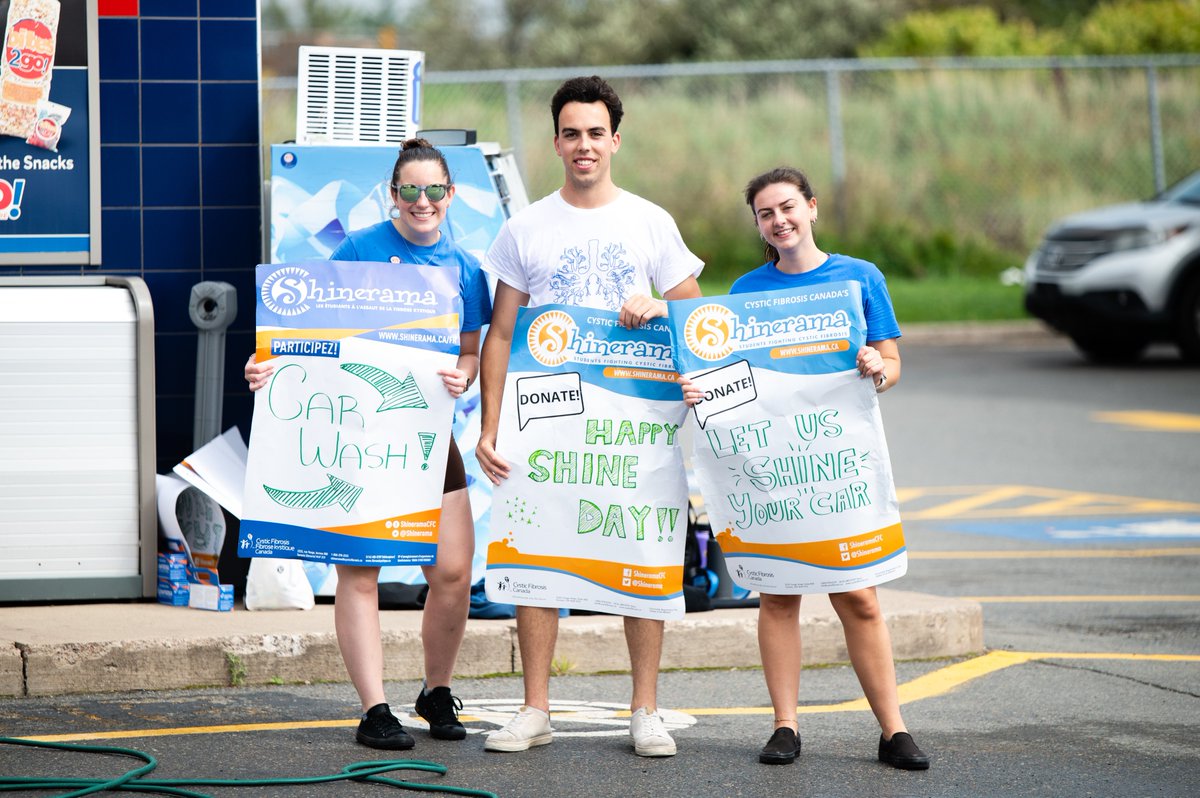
{"x":589,"y":245}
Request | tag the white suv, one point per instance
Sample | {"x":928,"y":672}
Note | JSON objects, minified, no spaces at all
{"x":1116,"y":279}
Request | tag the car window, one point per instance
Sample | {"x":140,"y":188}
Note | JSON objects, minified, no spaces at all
{"x":1186,"y":191}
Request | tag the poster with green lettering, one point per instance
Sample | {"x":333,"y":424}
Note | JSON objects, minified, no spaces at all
{"x":789,"y":451}
{"x":350,"y":436}
{"x":594,"y":511}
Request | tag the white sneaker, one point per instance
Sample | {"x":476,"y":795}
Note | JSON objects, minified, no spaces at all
{"x":650,"y":737}
{"x":526,"y":729}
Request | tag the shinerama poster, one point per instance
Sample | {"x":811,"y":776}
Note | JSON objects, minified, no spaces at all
{"x":594,"y":511}
{"x":349,"y":441}
{"x":790,"y":452}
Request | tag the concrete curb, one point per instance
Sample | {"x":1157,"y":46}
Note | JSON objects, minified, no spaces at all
{"x":97,"y":648}
{"x":1025,"y":332}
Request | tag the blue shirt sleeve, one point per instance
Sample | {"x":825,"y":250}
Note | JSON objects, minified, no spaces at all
{"x":477,"y":301}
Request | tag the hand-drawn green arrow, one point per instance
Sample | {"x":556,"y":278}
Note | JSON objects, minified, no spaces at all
{"x":396,"y":393}
{"x":338,"y":491}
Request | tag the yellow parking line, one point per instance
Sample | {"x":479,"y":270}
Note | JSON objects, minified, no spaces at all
{"x":1034,"y":554}
{"x":930,"y":685}
{"x":1152,"y":420}
{"x":1075,"y":599}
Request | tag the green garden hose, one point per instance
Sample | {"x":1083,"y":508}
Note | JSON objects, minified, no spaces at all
{"x":132,"y":781}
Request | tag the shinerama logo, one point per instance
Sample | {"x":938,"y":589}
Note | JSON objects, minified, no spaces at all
{"x":550,"y":336}
{"x":10,"y":199}
{"x":708,"y":331}
{"x":286,"y":291}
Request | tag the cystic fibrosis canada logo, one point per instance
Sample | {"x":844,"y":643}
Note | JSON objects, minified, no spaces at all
{"x":708,"y":331}
{"x":550,"y":337}
{"x":10,"y":199}
{"x":286,"y":291}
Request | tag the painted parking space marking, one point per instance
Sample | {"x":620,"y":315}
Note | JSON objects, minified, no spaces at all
{"x":1025,"y":501}
{"x":599,"y":718}
{"x":1084,"y":530}
{"x":1151,"y":420}
{"x":1051,"y":554}
{"x":1097,"y":598}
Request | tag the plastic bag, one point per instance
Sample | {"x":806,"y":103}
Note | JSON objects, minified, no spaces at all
{"x":275,"y":584}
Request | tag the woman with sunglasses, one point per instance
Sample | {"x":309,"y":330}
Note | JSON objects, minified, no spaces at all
{"x":421,"y":192}
{"x":785,"y":212}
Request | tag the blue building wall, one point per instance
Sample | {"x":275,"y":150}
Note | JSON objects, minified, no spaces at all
{"x":181,"y":196}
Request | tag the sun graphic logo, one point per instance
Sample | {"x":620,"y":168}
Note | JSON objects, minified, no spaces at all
{"x":708,"y":332}
{"x":285,"y":292}
{"x":550,"y":336}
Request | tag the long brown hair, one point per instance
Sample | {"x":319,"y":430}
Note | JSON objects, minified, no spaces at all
{"x":780,"y":174}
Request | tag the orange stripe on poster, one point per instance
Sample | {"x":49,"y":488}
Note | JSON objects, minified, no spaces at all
{"x":800,"y":350}
{"x":626,"y":373}
{"x":419,"y":527}
{"x":263,"y":338}
{"x":448,"y":321}
{"x":852,"y":552}
{"x":637,"y":580}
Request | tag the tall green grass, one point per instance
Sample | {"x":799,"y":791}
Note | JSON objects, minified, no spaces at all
{"x":949,"y":174}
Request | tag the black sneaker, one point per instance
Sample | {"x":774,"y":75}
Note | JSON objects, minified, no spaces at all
{"x":782,"y":748}
{"x":440,"y":710}
{"x":380,"y":729}
{"x":901,"y":752}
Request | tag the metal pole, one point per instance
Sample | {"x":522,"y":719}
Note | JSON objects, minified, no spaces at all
{"x":1156,"y":149}
{"x":837,"y":153}
{"x":512,"y":95}
{"x":212,"y":307}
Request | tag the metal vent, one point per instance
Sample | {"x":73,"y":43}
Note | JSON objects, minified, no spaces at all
{"x":349,"y":95}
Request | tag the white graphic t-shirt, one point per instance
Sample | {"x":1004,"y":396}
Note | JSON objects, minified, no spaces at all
{"x":590,"y":257}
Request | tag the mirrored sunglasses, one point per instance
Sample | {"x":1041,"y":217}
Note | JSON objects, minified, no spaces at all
{"x":410,"y":192}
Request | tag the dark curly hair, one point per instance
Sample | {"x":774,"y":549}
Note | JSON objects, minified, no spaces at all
{"x":588,"y":90}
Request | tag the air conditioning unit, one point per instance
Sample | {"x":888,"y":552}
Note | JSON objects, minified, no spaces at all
{"x":350,"y":95}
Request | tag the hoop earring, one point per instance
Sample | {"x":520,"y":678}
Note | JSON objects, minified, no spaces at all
{"x":394,"y":212}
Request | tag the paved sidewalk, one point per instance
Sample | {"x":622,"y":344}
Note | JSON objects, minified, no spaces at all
{"x":108,"y":647}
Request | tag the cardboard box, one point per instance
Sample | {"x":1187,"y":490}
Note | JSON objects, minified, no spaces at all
{"x":173,"y":593}
{"x":172,"y":566}
{"x":211,"y":597}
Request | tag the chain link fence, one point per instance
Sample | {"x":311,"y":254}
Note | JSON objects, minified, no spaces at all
{"x":969,"y":158}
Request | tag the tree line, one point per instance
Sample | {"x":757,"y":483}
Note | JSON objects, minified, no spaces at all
{"x":499,"y":34}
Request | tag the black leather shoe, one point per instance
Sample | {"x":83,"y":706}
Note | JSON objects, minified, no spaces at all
{"x":902,"y":752}
{"x":782,"y":748}
{"x":440,"y":709}
{"x":380,"y":729}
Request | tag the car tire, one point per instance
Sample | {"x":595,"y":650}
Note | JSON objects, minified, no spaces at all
{"x":1187,"y":321}
{"x":1126,"y":349}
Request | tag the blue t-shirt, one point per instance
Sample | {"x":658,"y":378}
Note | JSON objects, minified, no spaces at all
{"x":877,"y":305}
{"x":383,"y":243}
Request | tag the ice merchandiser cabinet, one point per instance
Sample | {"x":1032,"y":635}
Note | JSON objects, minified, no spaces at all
{"x":319,"y":192}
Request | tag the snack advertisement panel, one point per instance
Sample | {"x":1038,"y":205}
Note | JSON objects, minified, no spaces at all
{"x":594,"y":512}
{"x":350,"y":435}
{"x":49,"y":133}
{"x":789,"y":446}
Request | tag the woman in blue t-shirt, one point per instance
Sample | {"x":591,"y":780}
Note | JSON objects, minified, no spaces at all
{"x":421,"y":192}
{"x":785,"y":211}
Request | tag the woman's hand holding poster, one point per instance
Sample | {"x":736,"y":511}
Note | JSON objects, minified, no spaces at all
{"x":789,"y":446}
{"x":593,"y":514}
{"x":348,"y":449}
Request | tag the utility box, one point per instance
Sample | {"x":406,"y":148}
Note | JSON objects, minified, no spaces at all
{"x":77,"y":446}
